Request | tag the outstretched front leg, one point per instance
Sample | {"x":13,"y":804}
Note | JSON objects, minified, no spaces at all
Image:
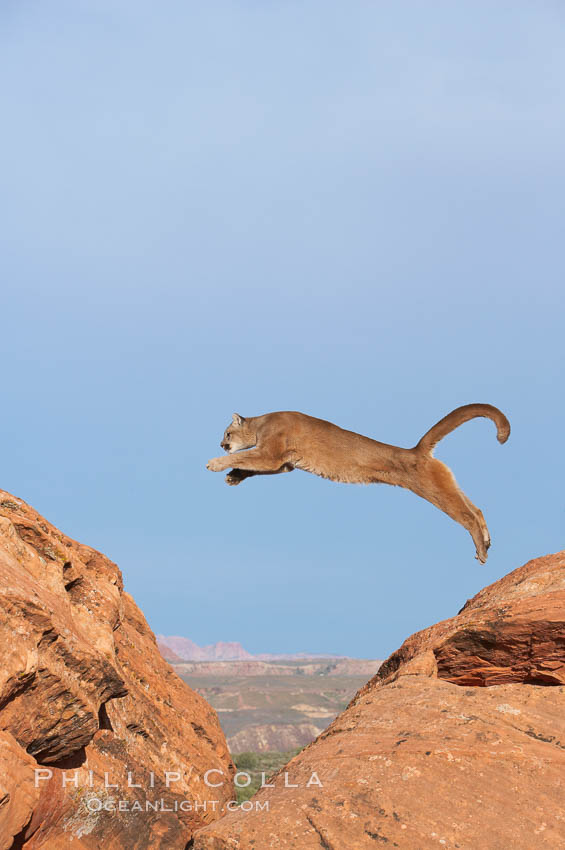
{"x":437,"y":484}
{"x":255,"y":460}
{"x":236,"y":476}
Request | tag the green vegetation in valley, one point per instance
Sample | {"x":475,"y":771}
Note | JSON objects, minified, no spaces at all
{"x":257,"y":764}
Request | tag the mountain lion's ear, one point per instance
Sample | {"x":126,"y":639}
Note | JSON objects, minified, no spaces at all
{"x":237,"y":419}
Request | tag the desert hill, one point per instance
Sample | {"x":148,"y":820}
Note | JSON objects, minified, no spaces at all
{"x":311,"y":667}
{"x":275,"y":705}
{"x":268,"y":706}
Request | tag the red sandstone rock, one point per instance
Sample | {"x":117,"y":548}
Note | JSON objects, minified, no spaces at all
{"x":457,"y":742}
{"x":512,"y":631}
{"x":84,"y":692}
{"x":18,"y":794}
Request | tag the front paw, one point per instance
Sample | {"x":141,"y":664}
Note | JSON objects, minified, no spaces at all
{"x":216,"y":464}
{"x":232,"y":479}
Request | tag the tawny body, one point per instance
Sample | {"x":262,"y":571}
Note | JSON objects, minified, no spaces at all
{"x":287,"y":440}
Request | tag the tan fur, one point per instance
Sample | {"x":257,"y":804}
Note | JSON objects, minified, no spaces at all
{"x":287,"y":440}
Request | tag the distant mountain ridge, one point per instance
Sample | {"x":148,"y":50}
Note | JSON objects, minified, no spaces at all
{"x":187,"y":650}
{"x":178,"y":648}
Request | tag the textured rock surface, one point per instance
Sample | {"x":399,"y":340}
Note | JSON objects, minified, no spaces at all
{"x":512,"y":631}
{"x":85,"y":695}
{"x":457,"y":742}
{"x":18,"y":794}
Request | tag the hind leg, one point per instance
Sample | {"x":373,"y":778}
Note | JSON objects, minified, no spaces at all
{"x":437,"y":484}
{"x":480,"y":519}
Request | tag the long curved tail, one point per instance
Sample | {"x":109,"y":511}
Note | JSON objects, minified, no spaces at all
{"x":460,"y":415}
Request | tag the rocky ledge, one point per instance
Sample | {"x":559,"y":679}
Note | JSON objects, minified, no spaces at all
{"x":90,"y":713}
{"x":457,"y":742}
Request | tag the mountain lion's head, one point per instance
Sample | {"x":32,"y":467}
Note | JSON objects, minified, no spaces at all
{"x":238,"y":435}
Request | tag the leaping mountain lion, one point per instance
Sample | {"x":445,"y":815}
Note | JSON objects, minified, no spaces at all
{"x":287,"y":440}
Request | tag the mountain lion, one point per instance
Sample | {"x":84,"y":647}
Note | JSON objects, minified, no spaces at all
{"x":283,"y":441}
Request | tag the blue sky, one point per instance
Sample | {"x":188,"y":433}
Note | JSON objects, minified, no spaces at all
{"x":354,"y":210}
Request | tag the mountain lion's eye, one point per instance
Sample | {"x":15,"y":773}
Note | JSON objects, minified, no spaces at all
{"x":228,"y":435}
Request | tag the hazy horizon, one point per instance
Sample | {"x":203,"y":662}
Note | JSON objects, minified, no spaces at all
{"x":306,"y":652}
{"x":353,"y":211}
